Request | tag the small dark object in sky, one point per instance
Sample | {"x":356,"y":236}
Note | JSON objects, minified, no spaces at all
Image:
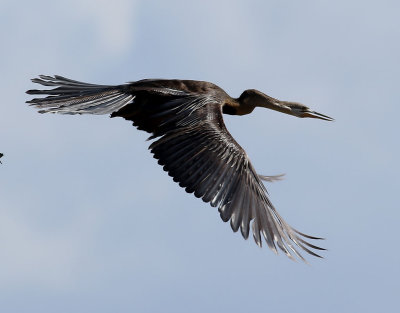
{"x":1,"y":155}
{"x":193,"y":144}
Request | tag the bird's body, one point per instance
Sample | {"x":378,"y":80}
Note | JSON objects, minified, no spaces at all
{"x":192,"y":143}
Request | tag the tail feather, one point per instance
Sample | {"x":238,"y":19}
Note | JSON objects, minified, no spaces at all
{"x":74,"y":97}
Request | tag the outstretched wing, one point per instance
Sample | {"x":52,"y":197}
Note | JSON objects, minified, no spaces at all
{"x":193,"y":146}
{"x":196,"y":149}
{"x":205,"y":159}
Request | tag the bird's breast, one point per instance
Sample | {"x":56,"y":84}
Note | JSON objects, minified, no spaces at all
{"x":228,"y":109}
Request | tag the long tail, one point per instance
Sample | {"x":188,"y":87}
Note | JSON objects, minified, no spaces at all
{"x":74,"y":97}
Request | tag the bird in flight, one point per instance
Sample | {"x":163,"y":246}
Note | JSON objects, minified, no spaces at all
{"x":191,"y":142}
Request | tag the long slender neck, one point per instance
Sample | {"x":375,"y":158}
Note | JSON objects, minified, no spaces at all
{"x":265,"y":101}
{"x":237,"y":107}
{"x":255,"y":98}
{"x":277,"y":105}
{"x":250,"y":99}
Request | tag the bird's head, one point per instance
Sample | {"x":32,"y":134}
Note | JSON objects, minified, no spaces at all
{"x":252,"y":98}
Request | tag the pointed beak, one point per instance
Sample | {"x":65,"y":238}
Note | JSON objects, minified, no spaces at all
{"x":314,"y":114}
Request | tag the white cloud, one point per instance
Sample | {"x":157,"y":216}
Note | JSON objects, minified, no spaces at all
{"x":112,"y":21}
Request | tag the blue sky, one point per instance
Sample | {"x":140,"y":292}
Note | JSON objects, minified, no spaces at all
{"x":90,"y":222}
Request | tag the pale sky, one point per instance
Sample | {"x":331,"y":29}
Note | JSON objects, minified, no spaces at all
{"x":90,"y":223}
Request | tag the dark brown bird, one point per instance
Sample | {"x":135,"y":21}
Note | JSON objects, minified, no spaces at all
{"x":193,"y":144}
